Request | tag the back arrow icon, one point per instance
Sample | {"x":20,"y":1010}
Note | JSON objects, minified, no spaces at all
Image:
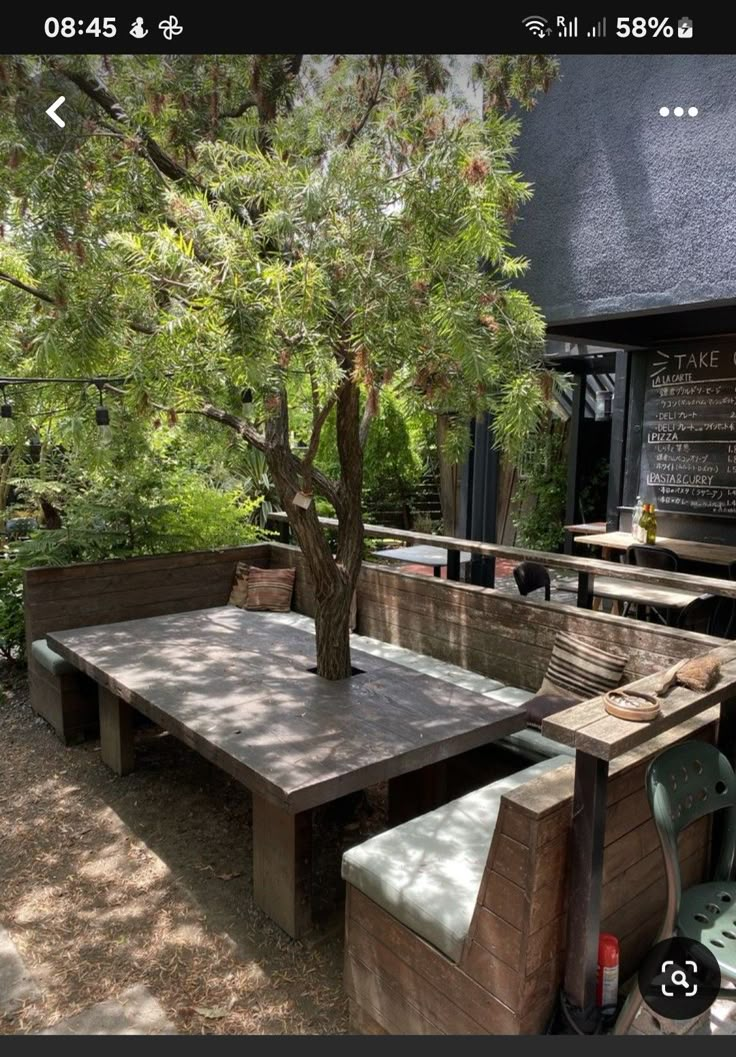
{"x":52,"y":111}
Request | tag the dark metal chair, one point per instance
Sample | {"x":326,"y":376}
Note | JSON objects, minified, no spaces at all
{"x":700,"y":615}
{"x":649,"y":556}
{"x":723,"y":624}
{"x":531,"y":576}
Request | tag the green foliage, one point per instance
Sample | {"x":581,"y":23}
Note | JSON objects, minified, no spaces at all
{"x":12,"y":629}
{"x":542,"y":490}
{"x":140,"y":496}
{"x":309,"y":229}
{"x":341,"y":236}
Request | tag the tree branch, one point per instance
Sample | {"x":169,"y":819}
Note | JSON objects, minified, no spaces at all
{"x":240,"y":425}
{"x":369,"y":413}
{"x":42,"y":295}
{"x":238,"y":111}
{"x":99,"y":94}
{"x":32,"y":290}
{"x":356,"y":130}
{"x":317,"y":423}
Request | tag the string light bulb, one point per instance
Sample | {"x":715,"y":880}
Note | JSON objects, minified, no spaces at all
{"x":102,"y":418}
{"x":248,"y":406}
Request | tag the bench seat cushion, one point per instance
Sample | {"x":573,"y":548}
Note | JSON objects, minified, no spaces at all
{"x":531,"y":745}
{"x":50,"y":660}
{"x":427,"y":872}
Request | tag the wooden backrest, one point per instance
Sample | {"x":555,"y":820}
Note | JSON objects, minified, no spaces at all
{"x":516,"y":942}
{"x":504,"y":637}
{"x":72,"y":596}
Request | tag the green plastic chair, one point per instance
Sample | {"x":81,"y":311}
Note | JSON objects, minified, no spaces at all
{"x":683,"y":784}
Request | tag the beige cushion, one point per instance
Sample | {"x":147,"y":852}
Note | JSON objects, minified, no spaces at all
{"x":239,"y":590}
{"x":427,"y":872}
{"x":577,"y":667}
{"x":270,"y":589}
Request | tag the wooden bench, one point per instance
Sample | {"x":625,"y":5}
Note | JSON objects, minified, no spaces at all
{"x":504,"y":976}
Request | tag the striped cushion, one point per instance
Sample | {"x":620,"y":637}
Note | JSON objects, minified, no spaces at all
{"x":239,"y":590}
{"x":270,"y":589}
{"x":578,"y":668}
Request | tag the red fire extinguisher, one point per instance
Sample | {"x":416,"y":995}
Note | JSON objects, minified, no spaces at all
{"x":608,"y":958}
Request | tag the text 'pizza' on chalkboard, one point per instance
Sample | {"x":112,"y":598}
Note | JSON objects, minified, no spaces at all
{"x":688,"y":458}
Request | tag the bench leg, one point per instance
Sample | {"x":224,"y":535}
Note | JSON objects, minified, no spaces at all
{"x":116,"y":732}
{"x":282,"y":865}
{"x":585,"y":883}
{"x":417,"y":792}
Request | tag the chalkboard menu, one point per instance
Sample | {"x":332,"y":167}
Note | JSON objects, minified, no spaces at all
{"x":688,"y":457}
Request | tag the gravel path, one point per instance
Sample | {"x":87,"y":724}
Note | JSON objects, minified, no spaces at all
{"x":109,"y":883}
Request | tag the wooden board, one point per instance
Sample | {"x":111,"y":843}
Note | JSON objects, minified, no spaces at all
{"x":591,"y":566}
{"x":238,"y":690}
{"x":691,"y":550}
{"x":589,"y":728}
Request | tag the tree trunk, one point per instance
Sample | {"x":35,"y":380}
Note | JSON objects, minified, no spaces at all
{"x":335,"y":576}
{"x":332,"y":624}
{"x":449,"y":474}
{"x":333,"y":583}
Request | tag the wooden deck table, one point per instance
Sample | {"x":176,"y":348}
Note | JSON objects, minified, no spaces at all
{"x":638,"y":594}
{"x":573,"y":532}
{"x":436,"y":557}
{"x":237,"y":689}
{"x":597,"y":739}
{"x":688,"y":550}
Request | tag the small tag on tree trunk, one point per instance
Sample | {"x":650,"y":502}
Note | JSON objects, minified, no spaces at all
{"x":303,"y":500}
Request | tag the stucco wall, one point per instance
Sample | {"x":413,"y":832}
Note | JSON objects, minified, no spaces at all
{"x":631,"y":211}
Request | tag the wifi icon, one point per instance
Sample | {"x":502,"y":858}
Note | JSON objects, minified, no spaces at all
{"x":537,"y":25}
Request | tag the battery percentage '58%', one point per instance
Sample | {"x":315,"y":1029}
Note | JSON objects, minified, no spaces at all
{"x":644,"y":27}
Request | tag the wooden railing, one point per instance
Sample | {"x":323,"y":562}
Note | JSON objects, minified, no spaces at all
{"x":482,"y":571}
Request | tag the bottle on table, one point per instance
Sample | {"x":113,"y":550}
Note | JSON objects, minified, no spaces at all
{"x":648,"y":525}
{"x":636,"y":518}
{"x":652,"y":525}
{"x":641,"y":531}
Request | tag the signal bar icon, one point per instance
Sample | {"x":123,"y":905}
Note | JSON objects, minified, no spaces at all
{"x":598,"y":30}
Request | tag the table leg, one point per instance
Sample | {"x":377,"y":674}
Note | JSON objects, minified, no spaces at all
{"x":585,"y":883}
{"x":585,"y":590}
{"x":417,"y":792}
{"x":116,"y":732}
{"x":282,"y":861}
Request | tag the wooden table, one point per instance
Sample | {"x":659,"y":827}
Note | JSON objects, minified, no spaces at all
{"x":586,"y":529}
{"x":238,"y":690}
{"x":597,"y":739}
{"x":641,"y":594}
{"x":421,"y":555}
{"x":688,"y":550}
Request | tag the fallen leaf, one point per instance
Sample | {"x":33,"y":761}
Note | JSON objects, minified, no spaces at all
{"x":215,"y":1013}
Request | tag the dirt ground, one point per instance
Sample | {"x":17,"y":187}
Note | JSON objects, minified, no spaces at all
{"x":108,"y":882}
